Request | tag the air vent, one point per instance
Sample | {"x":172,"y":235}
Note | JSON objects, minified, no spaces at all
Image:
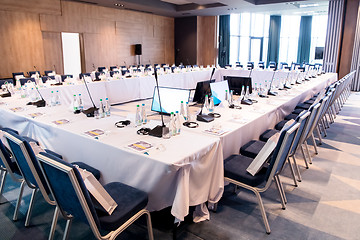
{"x":137,"y":10}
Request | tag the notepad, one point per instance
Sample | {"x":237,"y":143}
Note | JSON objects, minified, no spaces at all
{"x":216,"y":131}
{"x":140,"y":146}
{"x":34,"y":115}
{"x":17,"y":109}
{"x":61,"y":121}
{"x":94,"y":133}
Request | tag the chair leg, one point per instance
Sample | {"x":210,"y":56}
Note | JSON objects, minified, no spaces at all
{"x":67,"y":229}
{"x":263,"y":213}
{"x":53,"y":224}
{"x":282,"y":200}
{"x":308,"y":152}
{"x":292,"y":172}
{"x":314,"y":142}
{"x":282,"y":188}
{"x":3,"y":180}
{"x":149,"y":226}
{"x":31,"y":205}
{"x":319,"y":134}
{"x":18,"y":202}
{"x":297,"y":168}
{"x":304,"y":156}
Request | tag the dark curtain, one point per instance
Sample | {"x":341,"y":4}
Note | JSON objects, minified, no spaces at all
{"x":224,"y":43}
{"x":274,"y":39}
{"x":304,"y":39}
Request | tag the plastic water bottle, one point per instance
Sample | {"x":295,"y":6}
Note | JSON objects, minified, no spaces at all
{"x":138,"y":120}
{"x":187,"y":112}
{"x":143,"y":114}
{"x":33,"y":95}
{"x":172,"y":128}
{"x":53,"y":99}
{"x":242,"y":95}
{"x":107,"y":107}
{"x":206,"y":102}
{"x":57,"y":97}
{"x":23,"y":92}
{"x":101,"y":109}
{"x":182,"y":111}
{"x":231,"y":97}
{"x":81,"y":105}
{"x":247,"y":93}
{"x":211,"y":106}
{"x":178,"y":122}
{"x":75,"y":104}
{"x":226,"y":96}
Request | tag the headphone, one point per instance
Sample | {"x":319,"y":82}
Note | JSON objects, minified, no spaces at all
{"x":121,"y":124}
{"x":143,"y":131}
{"x":191,"y":124}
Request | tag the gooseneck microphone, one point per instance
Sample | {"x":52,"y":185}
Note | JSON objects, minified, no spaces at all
{"x":39,"y":103}
{"x":159,"y":130}
{"x":205,"y":117}
{"x":90,"y":111}
{"x":271,"y":93}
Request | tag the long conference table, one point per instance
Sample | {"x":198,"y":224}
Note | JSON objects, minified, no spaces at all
{"x":185,"y":170}
{"x":139,"y":88}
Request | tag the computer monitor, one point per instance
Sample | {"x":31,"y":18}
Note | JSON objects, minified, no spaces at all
{"x":170,"y":99}
{"x":218,"y":91}
{"x":236,"y":83}
{"x":202,"y":89}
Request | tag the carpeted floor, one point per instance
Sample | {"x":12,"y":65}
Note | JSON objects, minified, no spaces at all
{"x":325,"y":205}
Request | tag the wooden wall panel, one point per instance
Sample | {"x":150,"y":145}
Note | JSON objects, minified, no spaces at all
{"x":206,"y":40}
{"x":108,"y":34}
{"x":33,"y":6}
{"x":53,"y":51}
{"x":21,"y":45}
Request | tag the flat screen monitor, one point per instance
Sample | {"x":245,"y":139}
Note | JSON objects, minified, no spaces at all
{"x":202,"y":89}
{"x":170,"y":99}
{"x":218,"y":91}
{"x":236,"y":83}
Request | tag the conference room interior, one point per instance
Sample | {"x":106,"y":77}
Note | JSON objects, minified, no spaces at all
{"x":179,"y":119}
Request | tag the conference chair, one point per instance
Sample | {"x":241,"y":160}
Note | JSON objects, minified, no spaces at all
{"x":25,"y":80}
{"x":113,"y":72}
{"x":112,"y":68}
{"x":33,"y":73}
{"x":272,"y":65}
{"x":17,"y":74}
{"x":45,"y":78}
{"x":101,"y":69}
{"x":226,"y":66}
{"x":73,"y":200}
{"x":47,"y":73}
{"x":147,"y":65}
{"x":4,"y":81}
{"x":30,"y":170}
{"x":63,"y":77}
{"x":9,"y":167}
{"x":235,"y":170}
{"x":82,"y":75}
{"x":261,"y":65}
{"x":250,"y":65}
{"x":283,"y":64}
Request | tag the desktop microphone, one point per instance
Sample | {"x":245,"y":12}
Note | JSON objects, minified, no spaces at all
{"x":159,"y":130}
{"x":90,"y":111}
{"x":39,"y":103}
{"x":205,"y":117}
{"x":271,"y":93}
{"x":54,"y":69}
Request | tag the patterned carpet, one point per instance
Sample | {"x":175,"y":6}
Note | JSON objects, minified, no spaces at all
{"x":325,"y":205}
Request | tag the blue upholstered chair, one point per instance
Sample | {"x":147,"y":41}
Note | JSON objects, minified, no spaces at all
{"x":101,"y":69}
{"x":73,"y":200}
{"x":33,"y":72}
{"x":235,"y":170}
{"x":30,"y":170}
{"x":113,"y":72}
{"x":112,"y":68}
{"x":8,"y":166}
{"x":46,"y":73}
{"x":17,"y":74}
{"x":25,"y":80}
{"x":63,"y":77}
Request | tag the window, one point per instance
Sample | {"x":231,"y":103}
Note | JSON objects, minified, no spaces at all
{"x":289,"y":38}
{"x":318,"y":35}
{"x":249,"y":37}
